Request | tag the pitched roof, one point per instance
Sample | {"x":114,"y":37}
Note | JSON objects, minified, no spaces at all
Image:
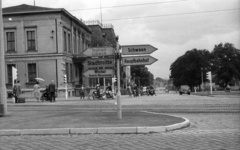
{"x":26,"y":8}
{"x":29,"y":9}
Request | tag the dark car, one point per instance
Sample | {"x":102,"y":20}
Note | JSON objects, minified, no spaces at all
{"x":184,"y":89}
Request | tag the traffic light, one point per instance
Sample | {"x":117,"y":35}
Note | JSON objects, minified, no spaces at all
{"x":14,"y":73}
{"x":114,"y":80}
{"x":65,"y":78}
{"x":209,"y":75}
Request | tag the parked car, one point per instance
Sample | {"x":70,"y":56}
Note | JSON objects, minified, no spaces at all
{"x":184,"y":89}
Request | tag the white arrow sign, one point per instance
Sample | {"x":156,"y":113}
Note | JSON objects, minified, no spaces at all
{"x":99,"y":51}
{"x":138,"y":60}
{"x":137,"y":49}
{"x":103,"y":73}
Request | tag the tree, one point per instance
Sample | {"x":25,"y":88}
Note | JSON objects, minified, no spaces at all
{"x":187,"y":69}
{"x":141,"y":72}
{"x":226,"y":63}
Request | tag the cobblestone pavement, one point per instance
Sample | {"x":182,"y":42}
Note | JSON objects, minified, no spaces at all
{"x":217,"y":131}
{"x":203,"y":140}
{"x":208,"y":131}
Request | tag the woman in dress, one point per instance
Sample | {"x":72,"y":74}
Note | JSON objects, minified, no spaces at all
{"x":37,"y":93}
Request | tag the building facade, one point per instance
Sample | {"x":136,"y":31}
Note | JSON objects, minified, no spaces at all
{"x":43,"y":42}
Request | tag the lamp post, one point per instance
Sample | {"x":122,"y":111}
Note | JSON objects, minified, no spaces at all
{"x":3,"y":97}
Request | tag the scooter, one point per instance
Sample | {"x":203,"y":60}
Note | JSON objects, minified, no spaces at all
{"x":45,"y":96}
{"x":99,"y":96}
{"x":151,"y":92}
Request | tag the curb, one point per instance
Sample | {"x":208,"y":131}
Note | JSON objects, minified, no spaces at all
{"x":102,"y":130}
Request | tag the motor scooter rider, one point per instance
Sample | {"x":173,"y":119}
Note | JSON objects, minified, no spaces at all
{"x":152,"y":89}
{"x":135,"y":90}
{"x":147,"y":90}
{"x":109,"y":90}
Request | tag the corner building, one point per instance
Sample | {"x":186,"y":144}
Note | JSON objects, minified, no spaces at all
{"x":44,"y":42}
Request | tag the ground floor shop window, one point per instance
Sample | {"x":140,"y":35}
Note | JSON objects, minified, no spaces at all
{"x":93,"y":81}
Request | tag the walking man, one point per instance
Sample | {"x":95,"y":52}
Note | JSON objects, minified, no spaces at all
{"x":82,"y":90}
{"x":52,"y":91}
{"x":17,"y":91}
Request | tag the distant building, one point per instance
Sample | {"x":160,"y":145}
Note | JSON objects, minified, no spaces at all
{"x":42,"y":42}
{"x":103,"y":35}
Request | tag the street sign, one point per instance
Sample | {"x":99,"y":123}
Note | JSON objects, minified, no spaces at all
{"x":137,"y":49}
{"x":138,"y":60}
{"x":99,"y":62}
{"x":99,"y":51}
{"x":100,"y":73}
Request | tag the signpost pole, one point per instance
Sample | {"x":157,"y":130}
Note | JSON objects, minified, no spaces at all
{"x":119,"y":106}
{"x":3,"y":97}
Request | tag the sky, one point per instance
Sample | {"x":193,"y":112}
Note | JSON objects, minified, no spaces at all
{"x":172,"y":26}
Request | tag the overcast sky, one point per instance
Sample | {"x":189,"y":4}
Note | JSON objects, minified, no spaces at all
{"x":172,"y":26}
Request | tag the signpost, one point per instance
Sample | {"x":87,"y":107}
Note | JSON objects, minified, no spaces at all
{"x":99,"y":51}
{"x":100,"y":73}
{"x":99,"y":62}
{"x":138,"y":60}
{"x":137,"y":49}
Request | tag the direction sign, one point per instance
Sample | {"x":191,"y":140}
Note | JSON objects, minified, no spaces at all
{"x":100,"y":73}
{"x":99,"y":62}
{"x":137,"y":49}
{"x":99,"y":51}
{"x":138,"y":60}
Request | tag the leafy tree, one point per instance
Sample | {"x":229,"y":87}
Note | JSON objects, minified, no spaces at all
{"x":187,"y":69}
{"x":159,"y":79}
{"x":226,"y":63}
{"x":141,"y":72}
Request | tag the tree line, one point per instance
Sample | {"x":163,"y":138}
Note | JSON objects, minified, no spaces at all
{"x":192,"y":67}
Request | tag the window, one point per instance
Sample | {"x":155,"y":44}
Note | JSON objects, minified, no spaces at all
{"x":78,"y":43}
{"x":67,"y":71}
{"x":31,"y":40}
{"x":93,"y":82}
{"x":10,"y":41}
{"x":71,"y":72}
{"x":32,"y":72}
{"x":83,"y":48}
{"x":69,"y":43}
{"x":10,"y":73}
{"x":65,"y":41}
{"x":76,"y":70}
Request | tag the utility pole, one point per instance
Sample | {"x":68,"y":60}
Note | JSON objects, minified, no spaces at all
{"x":119,"y":106}
{"x":3,"y":97}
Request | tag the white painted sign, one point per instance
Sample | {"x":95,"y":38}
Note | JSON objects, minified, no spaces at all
{"x":99,"y":51}
{"x":137,"y":49}
{"x":138,"y":60}
{"x":100,"y":73}
{"x":97,"y":62}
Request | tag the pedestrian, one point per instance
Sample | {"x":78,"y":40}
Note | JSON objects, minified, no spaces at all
{"x":98,"y":90}
{"x":52,"y":91}
{"x":37,"y":93}
{"x":17,"y":91}
{"x":88,"y":92}
{"x":82,"y":90}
